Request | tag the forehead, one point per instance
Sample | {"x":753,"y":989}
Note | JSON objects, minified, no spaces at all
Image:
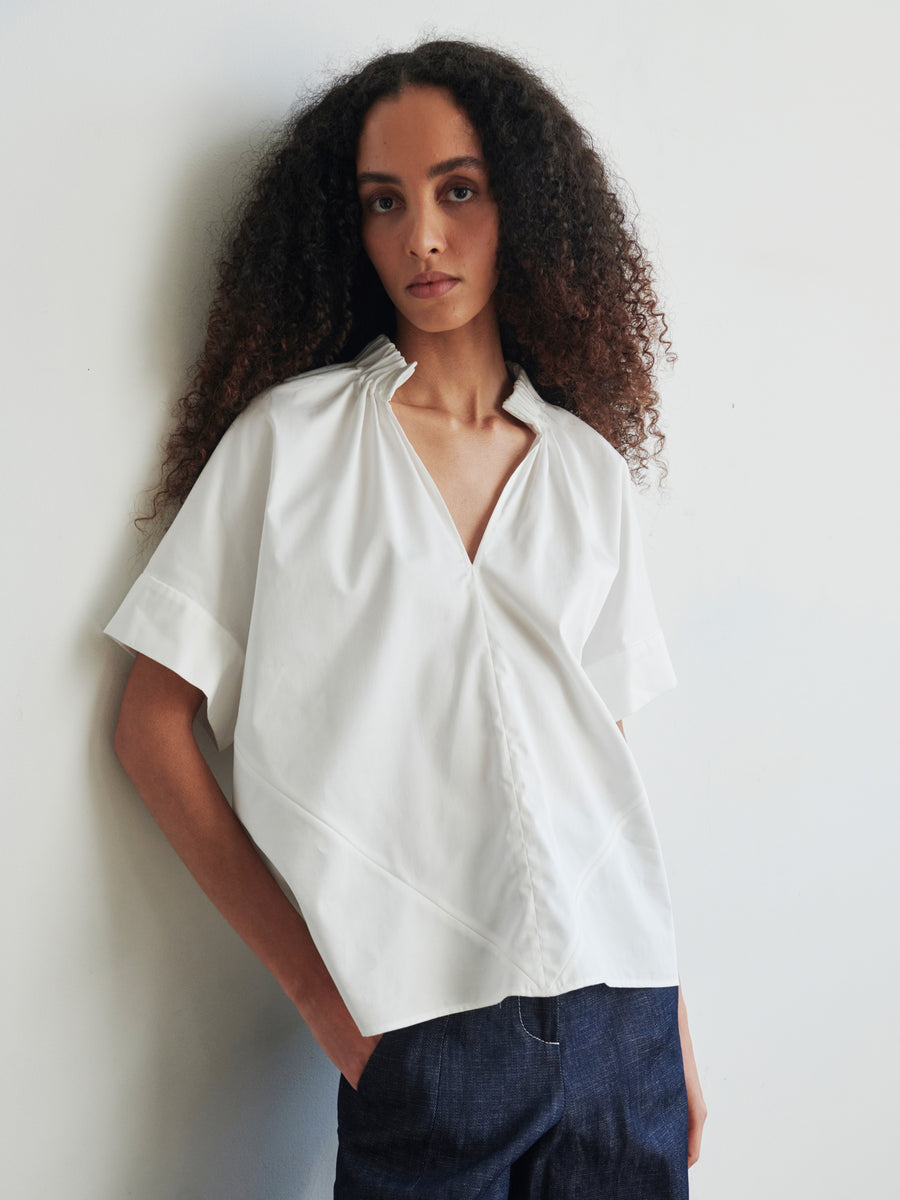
{"x":420,"y":126}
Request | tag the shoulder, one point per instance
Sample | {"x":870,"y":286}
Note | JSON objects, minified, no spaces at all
{"x":282,"y":413}
{"x":576,"y":440}
{"x":586,"y":457}
{"x":311,"y":391}
{"x":303,"y":421}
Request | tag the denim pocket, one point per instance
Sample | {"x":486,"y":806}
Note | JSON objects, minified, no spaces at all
{"x":372,"y":1061}
{"x":386,"y":1122}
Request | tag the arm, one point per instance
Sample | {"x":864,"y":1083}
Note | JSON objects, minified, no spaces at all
{"x":155,"y":743}
{"x":696,"y":1104}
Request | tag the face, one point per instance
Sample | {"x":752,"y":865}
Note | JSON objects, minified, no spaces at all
{"x":430,"y":224}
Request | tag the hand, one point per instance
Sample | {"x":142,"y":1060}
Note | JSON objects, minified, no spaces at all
{"x":356,"y":1059}
{"x":696,"y":1103}
{"x":696,"y":1112}
{"x":337,"y":1033}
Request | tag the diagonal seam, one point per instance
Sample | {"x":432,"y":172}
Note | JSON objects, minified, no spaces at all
{"x":337,"y":833}
{"x":594,"y":864}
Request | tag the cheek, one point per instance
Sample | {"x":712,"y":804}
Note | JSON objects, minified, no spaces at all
{"x":488,"y":255}
{"x":374,"y":247}
{"x":368,"y":241}
{"x":489,"y":245}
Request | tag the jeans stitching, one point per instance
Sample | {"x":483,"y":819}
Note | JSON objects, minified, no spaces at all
{"x":543,"y":1041}
{"x":437,"y":1098}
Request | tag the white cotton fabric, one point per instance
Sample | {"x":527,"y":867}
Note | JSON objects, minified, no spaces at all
{"x":425,"y":747}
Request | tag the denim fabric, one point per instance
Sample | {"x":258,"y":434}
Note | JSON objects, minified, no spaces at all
{"x":575,"y":1097}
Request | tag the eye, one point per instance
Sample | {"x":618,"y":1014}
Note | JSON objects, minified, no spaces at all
{"x":381,"y":204}
{"x":454,"y":192}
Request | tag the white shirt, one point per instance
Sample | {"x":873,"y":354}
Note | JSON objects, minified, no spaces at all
{"x":425,"y":747}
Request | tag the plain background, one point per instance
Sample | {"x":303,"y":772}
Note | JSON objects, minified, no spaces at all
{"x":146,"y":1053}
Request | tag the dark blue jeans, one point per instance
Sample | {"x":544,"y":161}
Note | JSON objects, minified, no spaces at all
{"x":575,"y":1097}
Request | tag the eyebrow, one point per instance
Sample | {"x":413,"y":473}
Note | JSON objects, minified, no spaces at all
{"x":441,"y":168}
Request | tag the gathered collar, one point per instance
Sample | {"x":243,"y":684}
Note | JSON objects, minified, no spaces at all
{"x":385,"y":368}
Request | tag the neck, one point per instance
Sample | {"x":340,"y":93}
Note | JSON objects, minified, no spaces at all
{"x":461,"y":371}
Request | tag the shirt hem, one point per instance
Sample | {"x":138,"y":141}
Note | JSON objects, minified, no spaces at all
{"x":445,"y":1010}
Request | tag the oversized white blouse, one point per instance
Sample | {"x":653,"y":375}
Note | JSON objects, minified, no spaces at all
{"x":425,"y":747}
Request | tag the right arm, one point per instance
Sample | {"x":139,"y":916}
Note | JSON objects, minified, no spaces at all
{"x":155,"y":743}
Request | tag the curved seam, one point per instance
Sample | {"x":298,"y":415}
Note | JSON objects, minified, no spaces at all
{"x":537,"y":927}
{"x":314,"y":817}
{"x":534,"y":1036}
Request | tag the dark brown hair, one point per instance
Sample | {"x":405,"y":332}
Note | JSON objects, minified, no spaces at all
{"x":575,"y":298}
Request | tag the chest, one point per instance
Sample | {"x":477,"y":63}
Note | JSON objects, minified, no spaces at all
{"x":469,"y":468}
{"x":377,"y":526}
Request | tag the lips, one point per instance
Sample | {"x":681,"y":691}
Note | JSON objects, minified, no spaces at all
{"x":430,"y":284}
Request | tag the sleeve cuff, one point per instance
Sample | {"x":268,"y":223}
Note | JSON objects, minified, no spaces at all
{"x":171,"y":628}
{"x":633,"y":676}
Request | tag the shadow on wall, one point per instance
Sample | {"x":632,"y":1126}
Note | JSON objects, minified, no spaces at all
{"x":200,"y":220}
{"x":224,"y":1093}
{"x":267,"y":1129}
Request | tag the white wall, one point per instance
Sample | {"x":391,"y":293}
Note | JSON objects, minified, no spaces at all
{"x":147,"y":1055}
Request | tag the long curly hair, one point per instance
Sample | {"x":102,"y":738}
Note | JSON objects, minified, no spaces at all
{"x":575,"y":298}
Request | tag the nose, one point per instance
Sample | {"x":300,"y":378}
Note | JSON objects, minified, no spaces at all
{"x":425,"y":233}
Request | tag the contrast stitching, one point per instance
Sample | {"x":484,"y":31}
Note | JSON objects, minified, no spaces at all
{"x":543,"y":1041}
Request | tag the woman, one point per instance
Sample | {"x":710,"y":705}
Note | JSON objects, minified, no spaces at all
{"x":410,"y":587}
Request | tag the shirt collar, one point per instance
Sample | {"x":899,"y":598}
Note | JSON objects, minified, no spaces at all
{"x":385,"y":368}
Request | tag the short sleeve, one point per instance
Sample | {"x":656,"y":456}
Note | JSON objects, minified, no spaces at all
{"x":625,"y":655}
{"x":190,"y":608}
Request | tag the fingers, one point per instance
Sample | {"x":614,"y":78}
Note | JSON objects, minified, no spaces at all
{"x":696,"y":1119}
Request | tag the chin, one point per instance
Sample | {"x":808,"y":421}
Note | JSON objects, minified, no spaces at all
{"x":441,"y":322}
{"x":438,"y":326}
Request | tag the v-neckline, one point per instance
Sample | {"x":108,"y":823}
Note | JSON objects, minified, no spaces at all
{"x":523,"y":414}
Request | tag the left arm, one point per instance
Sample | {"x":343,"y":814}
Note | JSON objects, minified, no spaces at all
{"x":696,"y":1103}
